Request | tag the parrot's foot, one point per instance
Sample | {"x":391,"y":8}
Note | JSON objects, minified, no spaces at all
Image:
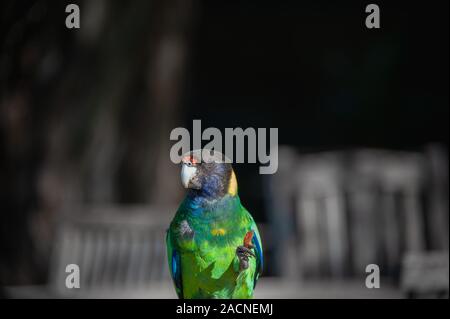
{"x":243,"y":254}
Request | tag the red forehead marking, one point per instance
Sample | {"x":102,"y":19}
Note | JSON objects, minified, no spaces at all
{"x":190,"y":158}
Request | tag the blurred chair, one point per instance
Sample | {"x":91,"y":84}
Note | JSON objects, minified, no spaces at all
{"x":386,"y":189}
{"x":321,"y":219}
{"x":120,"y":251}
{"x":344,"y":210}
{"x":426,"y":275}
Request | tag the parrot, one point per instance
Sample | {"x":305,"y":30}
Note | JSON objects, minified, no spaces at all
{"x":213,"y":245}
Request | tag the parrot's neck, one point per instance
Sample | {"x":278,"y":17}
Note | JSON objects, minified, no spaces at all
{"x":216,"y":188}
{"x":200,"y":205}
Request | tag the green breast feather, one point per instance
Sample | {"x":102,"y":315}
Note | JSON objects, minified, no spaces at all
{"x":201,"y":248}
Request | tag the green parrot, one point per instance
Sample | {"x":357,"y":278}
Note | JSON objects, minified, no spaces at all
{"x":213,"y":245}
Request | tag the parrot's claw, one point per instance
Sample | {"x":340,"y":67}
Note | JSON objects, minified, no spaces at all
{"x":243,"y":254}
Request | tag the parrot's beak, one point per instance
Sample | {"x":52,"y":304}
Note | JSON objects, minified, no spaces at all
{"x":187,"y":173}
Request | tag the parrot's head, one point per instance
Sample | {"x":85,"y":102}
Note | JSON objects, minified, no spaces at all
{"x":208,"y":173}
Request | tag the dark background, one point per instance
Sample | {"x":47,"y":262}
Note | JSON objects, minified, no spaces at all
{"x":315,"y":71}
{"x":86,"y":114}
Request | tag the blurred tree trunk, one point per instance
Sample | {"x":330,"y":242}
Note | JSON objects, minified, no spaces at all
{"x":86,"y":116}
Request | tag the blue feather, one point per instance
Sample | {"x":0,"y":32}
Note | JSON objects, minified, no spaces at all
{"x":175,"y":266}
{"x":259,"y":256}
{"x":176,"y":270}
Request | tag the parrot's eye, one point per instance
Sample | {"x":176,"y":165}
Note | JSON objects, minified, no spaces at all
{"x":190,"y":161}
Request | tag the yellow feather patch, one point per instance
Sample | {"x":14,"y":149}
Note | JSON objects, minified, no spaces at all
{"x":218,"y":232}
{"x":232,"y":186}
